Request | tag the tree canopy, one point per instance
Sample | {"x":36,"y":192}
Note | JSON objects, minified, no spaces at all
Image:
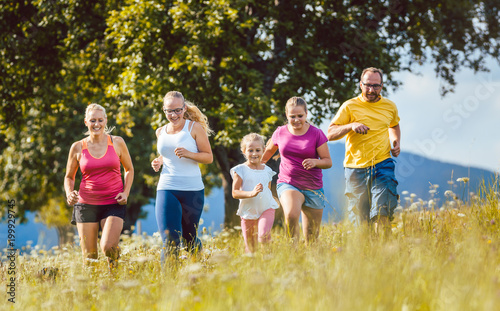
{"x":239,"y":61}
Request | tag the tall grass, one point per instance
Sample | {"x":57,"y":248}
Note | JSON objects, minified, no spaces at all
{"x":437,"y":259}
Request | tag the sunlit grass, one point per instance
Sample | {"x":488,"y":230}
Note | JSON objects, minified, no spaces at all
{"x":436,"y":259}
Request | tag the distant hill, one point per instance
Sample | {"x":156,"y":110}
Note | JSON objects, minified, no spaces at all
{"x":414,"y":173}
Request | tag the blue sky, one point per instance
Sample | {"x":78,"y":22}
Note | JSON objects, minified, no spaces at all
{"x":462,"y":128}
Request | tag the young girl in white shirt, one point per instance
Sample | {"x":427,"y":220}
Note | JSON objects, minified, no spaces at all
{"x":252,"y":186}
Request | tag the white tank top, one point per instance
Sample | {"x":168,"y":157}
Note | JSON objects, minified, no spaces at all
{"x":178,"y":174}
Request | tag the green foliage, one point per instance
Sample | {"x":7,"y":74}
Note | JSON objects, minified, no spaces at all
{"x":239,"y":61}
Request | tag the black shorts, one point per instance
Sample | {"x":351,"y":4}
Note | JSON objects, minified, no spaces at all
{"x":95,"y":213}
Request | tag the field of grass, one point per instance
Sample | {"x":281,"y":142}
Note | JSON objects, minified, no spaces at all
{"x":436,"y":259}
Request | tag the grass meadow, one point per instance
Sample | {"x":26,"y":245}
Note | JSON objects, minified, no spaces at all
{"x":437,"y":258}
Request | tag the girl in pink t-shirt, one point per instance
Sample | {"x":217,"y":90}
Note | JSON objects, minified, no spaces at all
{"x":252,"y":185}
{"x":304,"y":153}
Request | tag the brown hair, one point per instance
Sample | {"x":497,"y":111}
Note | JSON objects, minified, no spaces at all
{"x":373,"y":69}
{"x":192,"y":112}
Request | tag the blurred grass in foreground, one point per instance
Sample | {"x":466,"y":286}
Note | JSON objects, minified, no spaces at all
{"x":436,"y":259}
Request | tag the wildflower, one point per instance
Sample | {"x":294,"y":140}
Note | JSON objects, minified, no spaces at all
{"x":193,"y":268}
{"x":413,"y":207}
{"x":128,"y":284}
{"x":461,"y":215}
{"x":449,"y":193}
{"x":431,"y":203}
{"x":413,"y":195}
{"x":450,"y":182}
{"x":404,"y":192}
{"x":201,"y":221}
{"x":433,"y":191}
{"x":463,"y":179}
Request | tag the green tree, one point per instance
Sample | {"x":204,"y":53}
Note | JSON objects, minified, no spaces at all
{"x":238,"y":60}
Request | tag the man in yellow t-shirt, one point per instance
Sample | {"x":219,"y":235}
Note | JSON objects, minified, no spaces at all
{"x":371,"y":123}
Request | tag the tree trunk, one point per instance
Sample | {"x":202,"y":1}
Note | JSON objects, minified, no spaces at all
{"x":66,"y":234}
{"x":228,"y":158}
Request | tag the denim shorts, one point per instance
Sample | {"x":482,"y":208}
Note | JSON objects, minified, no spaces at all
{"x":371,"y":191}
{"x":95,"y":213}
{"x":313,"y":198}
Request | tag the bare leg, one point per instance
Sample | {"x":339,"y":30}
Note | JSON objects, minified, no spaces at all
{"x":382,"y":225}
{"x":87,"y":231}
{"x":311,"y":222}
{"x":292,"y":201}
{"x":111,"y":230}
{"x":248,"y":227}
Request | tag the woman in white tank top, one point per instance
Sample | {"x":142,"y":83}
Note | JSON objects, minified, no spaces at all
{"x":182,"y":144}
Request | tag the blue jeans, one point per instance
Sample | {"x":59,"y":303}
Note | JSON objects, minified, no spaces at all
{"x":371,"y":191}
{"x":178,"y":215}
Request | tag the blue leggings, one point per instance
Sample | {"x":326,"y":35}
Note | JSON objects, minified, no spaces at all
{"x":178,"y":214}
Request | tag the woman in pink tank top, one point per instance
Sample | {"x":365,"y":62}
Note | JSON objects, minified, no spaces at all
{"x":102,"y":197}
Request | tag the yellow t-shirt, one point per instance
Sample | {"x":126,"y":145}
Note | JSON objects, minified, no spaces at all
{"x":374,"y":147}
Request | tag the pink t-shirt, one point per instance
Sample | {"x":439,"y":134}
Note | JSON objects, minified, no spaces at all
{"x":101,"y":177}
{"x":295,"y":149}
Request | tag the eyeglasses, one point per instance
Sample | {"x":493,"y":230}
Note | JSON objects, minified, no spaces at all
{"x":176,"y":111}
{"x":374,"y":86}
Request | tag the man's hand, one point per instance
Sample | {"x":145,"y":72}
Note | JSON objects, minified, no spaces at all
{"x":359,"y":128}
{"x":396,"y":149}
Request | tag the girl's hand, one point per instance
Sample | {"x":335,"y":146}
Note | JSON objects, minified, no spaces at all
{"x":72,"y":198}
{"x":309,"y":163}
{"x":258,"y":188}
{"x":121,"y":198}
{"x":157,"y":163}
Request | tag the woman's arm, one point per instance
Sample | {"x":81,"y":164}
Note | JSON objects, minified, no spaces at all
{"x":204,"y":154}
{"x":157,"y":162}
{"x":128,"y":167}
{"x":71,"y":169}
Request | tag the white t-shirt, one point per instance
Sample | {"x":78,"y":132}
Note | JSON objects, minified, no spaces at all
{"x":252,"y":208}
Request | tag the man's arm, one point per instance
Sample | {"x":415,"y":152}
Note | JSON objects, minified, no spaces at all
{"x":395,"y":137}
{"x":336,"y":132}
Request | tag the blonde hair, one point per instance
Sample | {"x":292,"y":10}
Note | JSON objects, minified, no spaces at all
{"x":93,"y":107}
{"x":294,"y":102}
{"x":249,"y":138}
{"x":192,"y":112}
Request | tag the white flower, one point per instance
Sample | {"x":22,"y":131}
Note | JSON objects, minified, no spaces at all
{"x":463,"y":179}
{"x":413,"y":207}
{"x":461,"y":215}
{"x":413,"y":195}
{"x":448,"y":193}
{"x":432,"y":191}
{"x":404,"y":192}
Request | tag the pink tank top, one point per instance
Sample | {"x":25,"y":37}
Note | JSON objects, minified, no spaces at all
{"x":101,"y":177}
